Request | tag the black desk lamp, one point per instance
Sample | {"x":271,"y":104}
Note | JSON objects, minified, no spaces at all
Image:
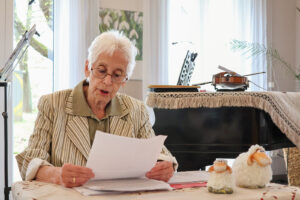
{"x":5,"y":73}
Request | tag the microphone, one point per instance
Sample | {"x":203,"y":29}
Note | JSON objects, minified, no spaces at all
{"x":178,"y":42}
{"x":30,"y":2}
{"x":37,"y":33}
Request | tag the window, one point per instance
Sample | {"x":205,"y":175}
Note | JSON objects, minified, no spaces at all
{"x":208,"y":27}
{"x":33,"y":76}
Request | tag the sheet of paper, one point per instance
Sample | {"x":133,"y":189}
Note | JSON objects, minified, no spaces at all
{"x":127,"y":185}
{"x":88,"y":192}
{"x":117,"y":157}
{"x":189,"y":177}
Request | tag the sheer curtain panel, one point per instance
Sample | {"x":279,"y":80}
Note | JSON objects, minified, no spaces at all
{"x":207,"y":27}
{"x":75,"y":26}
{"x":155,"y":43}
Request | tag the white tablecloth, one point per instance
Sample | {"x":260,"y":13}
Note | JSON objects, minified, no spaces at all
{"x":42,"y":191}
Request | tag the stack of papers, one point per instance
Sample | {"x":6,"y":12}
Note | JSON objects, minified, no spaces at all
{"x":116,"y":186}
{"x":189,"y":179}
{"x":120,"y":164}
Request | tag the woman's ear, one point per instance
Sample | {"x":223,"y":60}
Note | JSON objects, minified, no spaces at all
{"x":86,"y":69}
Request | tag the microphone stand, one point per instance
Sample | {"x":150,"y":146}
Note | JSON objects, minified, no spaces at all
{"x":5,"y":73}
{"x":5,"y":118}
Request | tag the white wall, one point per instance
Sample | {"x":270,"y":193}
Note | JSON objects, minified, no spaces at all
{"x":297,"y":62}
{"x":132,"y":5}
{"x":134,"y":86}
{"x":284,"y":40}
{"x":6,"y":23}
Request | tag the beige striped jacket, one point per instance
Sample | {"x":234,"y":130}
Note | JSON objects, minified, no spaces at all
{"x":61,"y":137}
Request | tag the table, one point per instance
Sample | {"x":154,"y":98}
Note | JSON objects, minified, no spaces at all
{"x":43,"y":191}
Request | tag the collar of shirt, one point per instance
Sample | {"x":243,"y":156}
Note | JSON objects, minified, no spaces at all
{"x":80,"y":106}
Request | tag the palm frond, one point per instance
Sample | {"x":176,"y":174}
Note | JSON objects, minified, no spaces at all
{"x":255,"y":49}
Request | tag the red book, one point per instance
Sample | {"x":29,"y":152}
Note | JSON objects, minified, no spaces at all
{"x":188,"y":185}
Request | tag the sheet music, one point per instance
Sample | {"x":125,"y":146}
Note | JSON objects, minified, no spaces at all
{"x":116,"y":157}
{"x":120,"y":164}
{"x":17,"y":54}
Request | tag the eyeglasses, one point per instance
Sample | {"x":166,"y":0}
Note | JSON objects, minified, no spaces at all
{"x":116,"y":77}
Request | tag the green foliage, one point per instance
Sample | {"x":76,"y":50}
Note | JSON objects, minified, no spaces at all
{"x":256,"y":49}
{"x":47,"y":9}
{"x":130,"y":23}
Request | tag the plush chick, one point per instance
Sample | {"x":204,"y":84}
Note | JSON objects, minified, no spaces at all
{"x":252,"y":169}
{"x":220,"y":178}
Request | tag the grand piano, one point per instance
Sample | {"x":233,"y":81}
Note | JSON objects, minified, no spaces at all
{"x":197,"y":136}
{"x":202,"y":132}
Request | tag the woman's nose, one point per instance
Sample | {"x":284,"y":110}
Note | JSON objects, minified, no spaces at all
{"x":108,"y":79}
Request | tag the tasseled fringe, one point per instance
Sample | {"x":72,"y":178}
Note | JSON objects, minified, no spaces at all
{"x":260,"y":100}
{"x":193,"y":100}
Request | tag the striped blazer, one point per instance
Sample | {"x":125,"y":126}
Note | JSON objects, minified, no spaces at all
{"x":61,"y":137}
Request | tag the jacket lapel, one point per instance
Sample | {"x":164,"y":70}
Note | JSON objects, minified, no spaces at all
{"x":78,"y":132}
{"x":77,"y":129}
{"x":120,"y":126}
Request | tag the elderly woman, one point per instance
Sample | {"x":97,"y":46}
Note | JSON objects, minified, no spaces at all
{"x":67,"y":120}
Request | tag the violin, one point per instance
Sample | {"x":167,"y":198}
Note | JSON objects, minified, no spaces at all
{"x":230,"y":81}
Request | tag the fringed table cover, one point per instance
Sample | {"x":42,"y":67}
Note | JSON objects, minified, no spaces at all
{"x":283,"y":107}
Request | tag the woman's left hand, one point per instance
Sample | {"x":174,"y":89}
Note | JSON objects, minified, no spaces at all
{"x":163,"y":171}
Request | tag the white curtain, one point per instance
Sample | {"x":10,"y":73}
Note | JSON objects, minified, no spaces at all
{"x":207,"y":27}
{"x":259,"y":33}
{"x":75,"y":26}
{"x":155,"y":43}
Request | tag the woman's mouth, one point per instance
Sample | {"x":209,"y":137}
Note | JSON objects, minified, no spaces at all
{"x":104,"y":92}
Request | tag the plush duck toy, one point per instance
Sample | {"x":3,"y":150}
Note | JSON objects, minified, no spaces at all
{"x":252,"y":169}
{"x":220,"y":178}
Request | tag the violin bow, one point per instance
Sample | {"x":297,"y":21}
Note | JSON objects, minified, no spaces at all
{"x":204,"y":83}
{"x":227,"y":70}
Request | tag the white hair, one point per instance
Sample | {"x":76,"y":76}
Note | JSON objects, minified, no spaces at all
{"x":109,"y":42}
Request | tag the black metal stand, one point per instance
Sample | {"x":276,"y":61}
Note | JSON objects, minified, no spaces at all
{"x":5,"y":117}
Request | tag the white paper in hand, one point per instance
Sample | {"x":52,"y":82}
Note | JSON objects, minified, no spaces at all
{"x":115,"y":157}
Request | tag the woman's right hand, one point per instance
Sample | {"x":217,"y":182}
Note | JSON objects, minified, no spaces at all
{"x":74,"y":175}
{"x":68,"y":175}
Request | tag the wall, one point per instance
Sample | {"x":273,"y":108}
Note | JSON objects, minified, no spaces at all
{"x":134,"y":86}
{"x":283,"y":30}
{"x":6,"y":22}
{"x":297,"y":62}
